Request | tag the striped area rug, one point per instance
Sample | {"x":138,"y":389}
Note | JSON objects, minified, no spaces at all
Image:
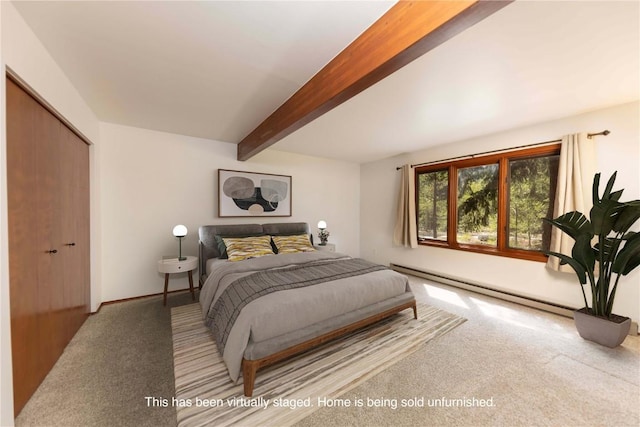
{"x":291,"y":390}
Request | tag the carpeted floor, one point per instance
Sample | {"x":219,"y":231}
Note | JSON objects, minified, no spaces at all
{"x":120,"y":356}
{"x":531,"y":366}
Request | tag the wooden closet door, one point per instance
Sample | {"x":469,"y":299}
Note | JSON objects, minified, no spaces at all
{"x":67,"y":236}
{"x":47,"y":200}
{"x":23,"y":267}
{"x":75,"y":229}
{"x":48,"y":205}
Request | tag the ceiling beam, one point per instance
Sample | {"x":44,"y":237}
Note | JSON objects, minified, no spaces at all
{"x":407,"y":31}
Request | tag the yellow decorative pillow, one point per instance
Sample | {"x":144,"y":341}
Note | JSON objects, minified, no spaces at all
{"x":241,"y":248}
{"x":292,"y":244}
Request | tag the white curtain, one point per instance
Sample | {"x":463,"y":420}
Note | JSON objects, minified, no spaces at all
{"x":405,"y":232}
{"x":573,"y":191}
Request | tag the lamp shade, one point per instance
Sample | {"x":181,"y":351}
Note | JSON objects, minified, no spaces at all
{"x":322,"y":224}
{"x":179,"y":230}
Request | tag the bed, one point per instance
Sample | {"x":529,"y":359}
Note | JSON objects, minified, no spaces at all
{"x":266,"y":294}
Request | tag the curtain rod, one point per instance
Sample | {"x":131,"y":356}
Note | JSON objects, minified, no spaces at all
{"x":471,"y":156}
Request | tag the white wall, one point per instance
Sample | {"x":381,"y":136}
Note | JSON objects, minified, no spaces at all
{"x":26,"y":56}
{"x":23,"y":52}
{"x":619,"y":151}
{"x":151,"y":181}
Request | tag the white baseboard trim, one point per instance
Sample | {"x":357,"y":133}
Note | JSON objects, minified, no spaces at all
{"x":504,"y":295}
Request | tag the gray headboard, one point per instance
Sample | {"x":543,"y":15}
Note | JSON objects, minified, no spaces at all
{"x":208,"y":247}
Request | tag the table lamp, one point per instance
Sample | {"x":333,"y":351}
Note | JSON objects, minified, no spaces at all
{"x":323,"y":234}
{"x":180,"y":231}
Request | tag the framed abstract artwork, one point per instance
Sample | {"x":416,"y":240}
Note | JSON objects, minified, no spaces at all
{"x":253,"y":194}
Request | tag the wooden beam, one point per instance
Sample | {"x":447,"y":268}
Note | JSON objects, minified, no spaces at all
{"x":407,"y":31}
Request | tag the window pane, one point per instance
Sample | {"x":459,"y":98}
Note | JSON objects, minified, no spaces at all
{"x":478,"y":205}
{"x":531,"y":197}
{"x":433,"y":188}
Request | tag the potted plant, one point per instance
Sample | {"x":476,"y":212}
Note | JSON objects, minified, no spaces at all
{"x":604,"y":250}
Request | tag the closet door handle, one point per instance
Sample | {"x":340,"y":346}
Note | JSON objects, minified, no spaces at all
{"x":70,"y":244}
{"x":53,"y":251}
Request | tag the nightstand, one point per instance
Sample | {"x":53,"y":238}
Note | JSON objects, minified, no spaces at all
{"x":329,"y":247}
{"x":172,"y":265}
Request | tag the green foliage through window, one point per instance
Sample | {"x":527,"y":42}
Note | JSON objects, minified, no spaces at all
{"x":497,"y":202}
{"x":478,"y":205}
{"x":433,"y":188}
{"x":531,"y":195}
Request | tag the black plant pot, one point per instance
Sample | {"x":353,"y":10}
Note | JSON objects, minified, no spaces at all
{"x":610,"y":333}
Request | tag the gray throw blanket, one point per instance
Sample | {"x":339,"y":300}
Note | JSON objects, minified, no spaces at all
{"x":248,"y":288}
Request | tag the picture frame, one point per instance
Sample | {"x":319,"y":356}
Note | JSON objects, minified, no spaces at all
{"x":251,"y":194}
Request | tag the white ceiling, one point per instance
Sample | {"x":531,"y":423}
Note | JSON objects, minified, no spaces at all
{"x":217,"y":69}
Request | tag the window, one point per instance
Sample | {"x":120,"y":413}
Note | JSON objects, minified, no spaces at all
{"x":433,"y":205}
{"x":492,"y":204}
{"x":532,"y":190}
{"x":477,"y":198}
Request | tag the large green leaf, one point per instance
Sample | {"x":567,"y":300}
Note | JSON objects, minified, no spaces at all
{"x":577,"y":267}
{"x":595,"y":197}
{"x":574,"y":224}
{"x":606,"y":209}
{"x":604,"y":215}
{"x":616,"y":195}
{"x":627,"y":216}
{"x":629,"y":257}
{"x":583,"y":253}
{"x":609,"y":187}
{"x":611,"y":245}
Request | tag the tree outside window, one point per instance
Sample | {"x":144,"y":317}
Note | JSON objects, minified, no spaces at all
{"x":478,"y":205}
{"x":433,"y":190}
{"x":492,"y":204}
{"x":531,"y":197}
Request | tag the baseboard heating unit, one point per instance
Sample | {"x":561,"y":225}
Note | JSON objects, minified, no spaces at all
{"x":504,"y":295}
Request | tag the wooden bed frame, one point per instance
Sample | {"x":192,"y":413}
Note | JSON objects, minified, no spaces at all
{"x":250,"y":367}
{"x":209,"y":249}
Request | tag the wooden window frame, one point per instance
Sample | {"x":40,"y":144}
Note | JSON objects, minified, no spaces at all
{"x":502,"y":159}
